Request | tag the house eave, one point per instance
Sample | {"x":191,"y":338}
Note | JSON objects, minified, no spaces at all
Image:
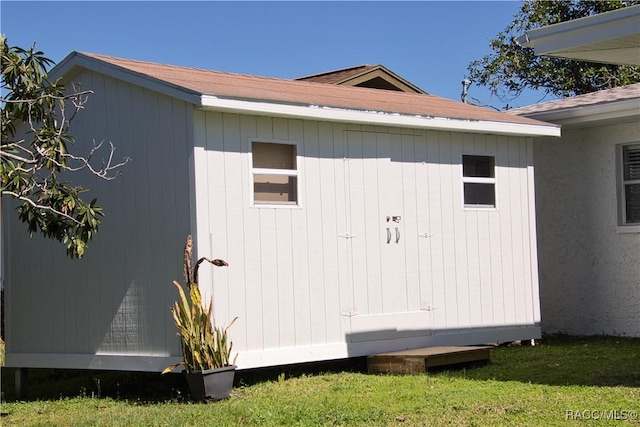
{"x":323,"y":113}
{"x":614,"y":111}
{"x":610,"y":37}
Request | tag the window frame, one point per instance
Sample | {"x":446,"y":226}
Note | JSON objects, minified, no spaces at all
{"x":268,"y":171}
{"x":623,"y":225}
{"x":479,"y":180}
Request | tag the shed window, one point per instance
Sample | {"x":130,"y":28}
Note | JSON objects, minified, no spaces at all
{"x":630,"y":184}
{"x":479,"y":181}
{"x":275,"y":173}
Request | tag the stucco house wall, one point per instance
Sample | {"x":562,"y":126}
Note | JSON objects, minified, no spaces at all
{"x":589,"y":265}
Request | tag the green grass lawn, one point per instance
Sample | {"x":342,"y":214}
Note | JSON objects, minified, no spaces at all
{"x":561,"y":378}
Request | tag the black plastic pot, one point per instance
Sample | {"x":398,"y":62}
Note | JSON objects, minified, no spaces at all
{"x":212,"y":384}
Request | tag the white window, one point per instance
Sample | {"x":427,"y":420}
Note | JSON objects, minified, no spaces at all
{"x":479,"y":181}
{"x":275,"y":173}
{"x":630,"y":184}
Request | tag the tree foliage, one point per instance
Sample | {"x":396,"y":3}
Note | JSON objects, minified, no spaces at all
{"x":511,"y":68}
{"x":35,"y":152}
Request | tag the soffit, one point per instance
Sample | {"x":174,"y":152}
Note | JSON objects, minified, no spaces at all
{"x":609,"y":37}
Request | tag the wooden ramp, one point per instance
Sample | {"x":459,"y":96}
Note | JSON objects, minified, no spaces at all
{"x":419,"y":360}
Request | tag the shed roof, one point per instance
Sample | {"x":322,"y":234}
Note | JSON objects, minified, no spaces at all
{"x":292,"y":98}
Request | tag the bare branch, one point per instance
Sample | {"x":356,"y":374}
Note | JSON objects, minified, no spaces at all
{"x":106,"y":172}
{"x":107,"y":168}
{"x":39,"y":207}
{"x":17,"y":157}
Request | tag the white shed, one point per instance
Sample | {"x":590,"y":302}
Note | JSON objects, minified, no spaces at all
{"x":354,"y":221}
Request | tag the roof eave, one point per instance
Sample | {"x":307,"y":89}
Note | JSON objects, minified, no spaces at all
{"x":578,"y":39}
{"x":65,"y":70}
{"x":618,"y":110}
{"x":323,"y":113}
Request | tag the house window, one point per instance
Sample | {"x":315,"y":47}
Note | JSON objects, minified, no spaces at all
{"x":275,"y":174}
{"x":479,"y":181}
{"x":630,"y":184}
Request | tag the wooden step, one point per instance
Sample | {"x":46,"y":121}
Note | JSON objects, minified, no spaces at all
{"x":419,"y":360}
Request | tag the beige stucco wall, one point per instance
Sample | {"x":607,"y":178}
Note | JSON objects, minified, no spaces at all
{"x":589,"y":269}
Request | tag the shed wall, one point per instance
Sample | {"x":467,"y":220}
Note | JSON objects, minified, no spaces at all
{"x":114,"y":301}
{"x":313,"y":282}
{"x":589,"y":270}
{"x":303,"y":289}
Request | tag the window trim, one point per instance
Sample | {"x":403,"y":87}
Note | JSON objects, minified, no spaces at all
{"x":267,"y":171}
{"x":623,"y":225}
{"x":479,"y":180}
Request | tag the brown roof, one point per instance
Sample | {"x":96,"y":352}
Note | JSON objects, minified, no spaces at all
{"x":606,"y":96}
{"x":371,"y":76}
{"x":248,"y":87}
{"x":337,"y":76}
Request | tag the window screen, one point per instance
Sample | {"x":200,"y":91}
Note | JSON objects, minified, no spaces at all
{"x":631,"y":183}
{"x":275,"y":174}
{"x":478,"y":178}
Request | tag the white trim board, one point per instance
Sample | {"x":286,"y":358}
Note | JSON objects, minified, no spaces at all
{"x":276,"y":357}
{"x":374,"y":117}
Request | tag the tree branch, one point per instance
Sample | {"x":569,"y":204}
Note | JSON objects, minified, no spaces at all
{"x":38,"y":206}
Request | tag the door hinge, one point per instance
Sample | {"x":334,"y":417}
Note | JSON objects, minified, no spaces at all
{"x":349,"y":313}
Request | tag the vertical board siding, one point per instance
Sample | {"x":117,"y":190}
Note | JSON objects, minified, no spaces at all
{"x":284,"y":254}
{"x":410,"y":223}
{"x":115,"y":299}
{"x":304,"y":271}
{"x":303,"y":318}
{"x":311,"y":202}
{"x":436,"y":241}
{"x":330,"y":261}
{"x":297,"y":276}
{"x":423,"y":227}
{"x":252,"y":317}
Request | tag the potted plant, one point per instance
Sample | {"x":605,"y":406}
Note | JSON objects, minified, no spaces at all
{"x":206,"y":348}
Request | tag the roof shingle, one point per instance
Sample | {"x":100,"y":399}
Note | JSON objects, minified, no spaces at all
{"x":248,"y":87}
{"x":606,"y":96}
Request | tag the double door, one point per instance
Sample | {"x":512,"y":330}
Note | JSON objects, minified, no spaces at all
{"x":387,"y":256}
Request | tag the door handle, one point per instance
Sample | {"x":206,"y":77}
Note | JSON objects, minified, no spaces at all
{"x":388,"y":235}
{"x":397,"y":235}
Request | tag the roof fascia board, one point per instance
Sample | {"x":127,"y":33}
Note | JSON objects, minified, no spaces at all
{"x":589,"y":113}
{"x":375,"y":118}
{"x":75,"y":60}
{"x":610,"y":25}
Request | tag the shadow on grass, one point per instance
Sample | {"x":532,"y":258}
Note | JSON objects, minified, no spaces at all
{"x":51,"y":384}
{"x":563,"y":360}
{"x":555,"y":360}
{"x":150,"y":387}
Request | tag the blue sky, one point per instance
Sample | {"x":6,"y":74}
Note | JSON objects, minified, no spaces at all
{"x":429,"y":43}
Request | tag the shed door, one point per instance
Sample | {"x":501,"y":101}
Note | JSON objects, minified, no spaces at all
{"x":382,"y":238}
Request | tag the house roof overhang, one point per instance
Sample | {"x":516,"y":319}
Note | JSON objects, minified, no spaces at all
{"x":616,"y":105}
{"x":621,"y":111}
{"x":609,"y":37}
{"x":237,"y":93}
